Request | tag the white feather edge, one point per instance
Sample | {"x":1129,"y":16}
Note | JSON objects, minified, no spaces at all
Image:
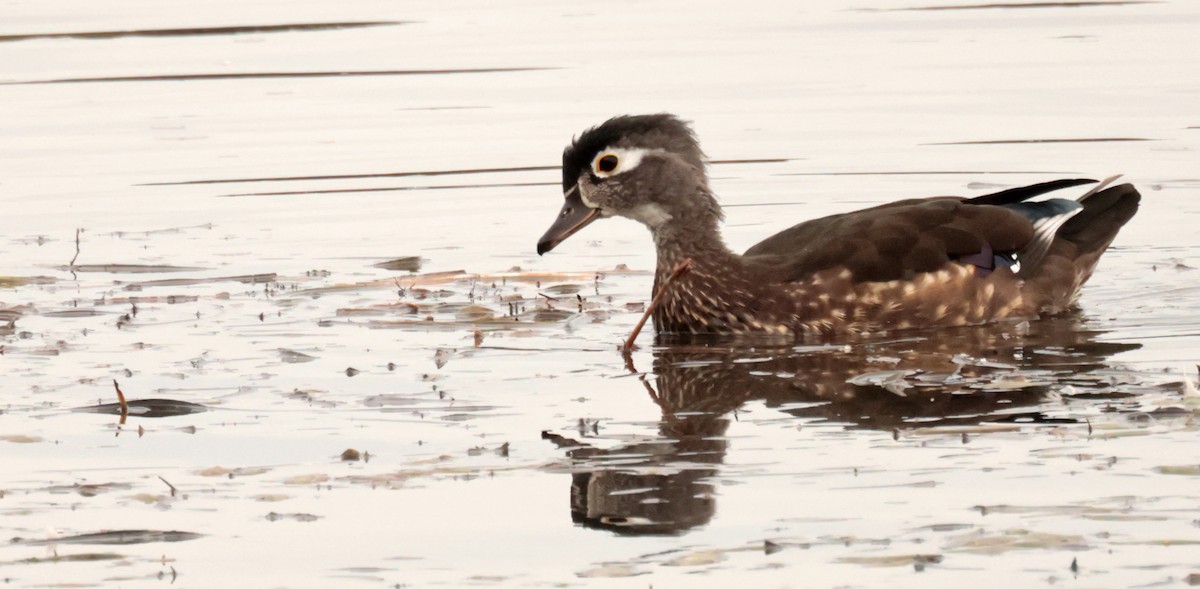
{"x":1046,"y":228}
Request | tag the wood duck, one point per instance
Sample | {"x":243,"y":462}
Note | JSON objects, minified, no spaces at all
{"x":917,"y":263}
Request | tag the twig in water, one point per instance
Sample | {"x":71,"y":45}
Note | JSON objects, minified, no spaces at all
{"x":72,"y":264}
{"x":121,"y":400}
{"x":169,"y":485}
{"x":680,"y":269}
{"x":120,"y":397}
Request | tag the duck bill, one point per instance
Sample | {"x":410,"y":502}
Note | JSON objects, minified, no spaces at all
{"x":574,"y":216}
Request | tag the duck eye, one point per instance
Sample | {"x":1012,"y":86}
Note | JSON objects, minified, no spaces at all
{"x":607,"y":163}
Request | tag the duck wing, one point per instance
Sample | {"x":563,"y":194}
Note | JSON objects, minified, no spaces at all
{"x":899,"y":240}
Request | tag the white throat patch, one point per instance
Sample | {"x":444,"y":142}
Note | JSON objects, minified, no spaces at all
{"x":652,"y":215}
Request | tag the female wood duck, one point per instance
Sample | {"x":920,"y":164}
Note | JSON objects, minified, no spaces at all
{"x":932,"y":262}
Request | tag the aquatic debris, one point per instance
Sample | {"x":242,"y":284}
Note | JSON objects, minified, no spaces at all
{"x":88,"y":490}
{"x":153,"y":408}
{"x":697,"y":558}
{"x":441,"y":357}
{"x":169,"y":485}
{"x":1013,"y":383}
{"x":965,"y":430}
{"x":564,"y":289}
{"x":242,"y":278}
{"x":220,"y":471}
{"x":10,"y":314}
{"x":78,"y":231}
{"x":435,"y":308}
{"x":117,"y":537}
{"x":501,"y":450}
{"x":351,"y":455}
{"x":611,"y":571}
{"x":680,"y":269}
{"x":300,"y":517}
{"x":892,"y":560}
{"x":1016,"y":539}
{"x":892,"y":381}
{"x":474,"y":313}
{"x":294,"y":357}
{"x":85,"y":557}
{"x":1160,"y":542}
{"x":306,"y":479}
{"x":405,"y":264}
{"x":381,"y":310}
{"x":129,"y":268}
{"x":438,"y":467}
{"x":1190,"y":391}
{"x":552,"y":315}
{"x":1191,"y":470}
{"x":73,"y":313}
{"x":396,"y":400}
{"x":121,"y":400}
{"x":155,"y":499}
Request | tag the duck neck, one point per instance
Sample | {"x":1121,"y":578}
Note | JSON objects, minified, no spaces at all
{"x":692,"y":230}
{"x":717,"y":292}
{"x":698,"y":239}
{"x":700,"y":299}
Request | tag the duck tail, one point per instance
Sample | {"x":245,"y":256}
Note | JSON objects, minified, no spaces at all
{"x":1104,"y":213}
{"x":1080,"y":240}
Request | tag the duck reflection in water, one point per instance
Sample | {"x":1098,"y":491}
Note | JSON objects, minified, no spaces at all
{"x":957,"y":377}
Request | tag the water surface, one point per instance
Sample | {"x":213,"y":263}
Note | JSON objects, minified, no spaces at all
{"x":300,"y":239}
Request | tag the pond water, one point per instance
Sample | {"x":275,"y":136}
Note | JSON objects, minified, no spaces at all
{"x":300,"y":239}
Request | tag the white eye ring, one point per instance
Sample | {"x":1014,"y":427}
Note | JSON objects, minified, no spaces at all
{"x":613,"y":161}
{"x":608,"y":163}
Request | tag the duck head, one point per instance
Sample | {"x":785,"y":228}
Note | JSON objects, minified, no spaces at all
{"x":648,"y":168}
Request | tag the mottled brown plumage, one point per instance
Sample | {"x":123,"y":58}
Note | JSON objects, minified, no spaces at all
{"x":931,"y":262}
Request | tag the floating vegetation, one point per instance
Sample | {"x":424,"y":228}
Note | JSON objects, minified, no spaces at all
{"x":405,"y":264}
{"x":119,"y":537}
